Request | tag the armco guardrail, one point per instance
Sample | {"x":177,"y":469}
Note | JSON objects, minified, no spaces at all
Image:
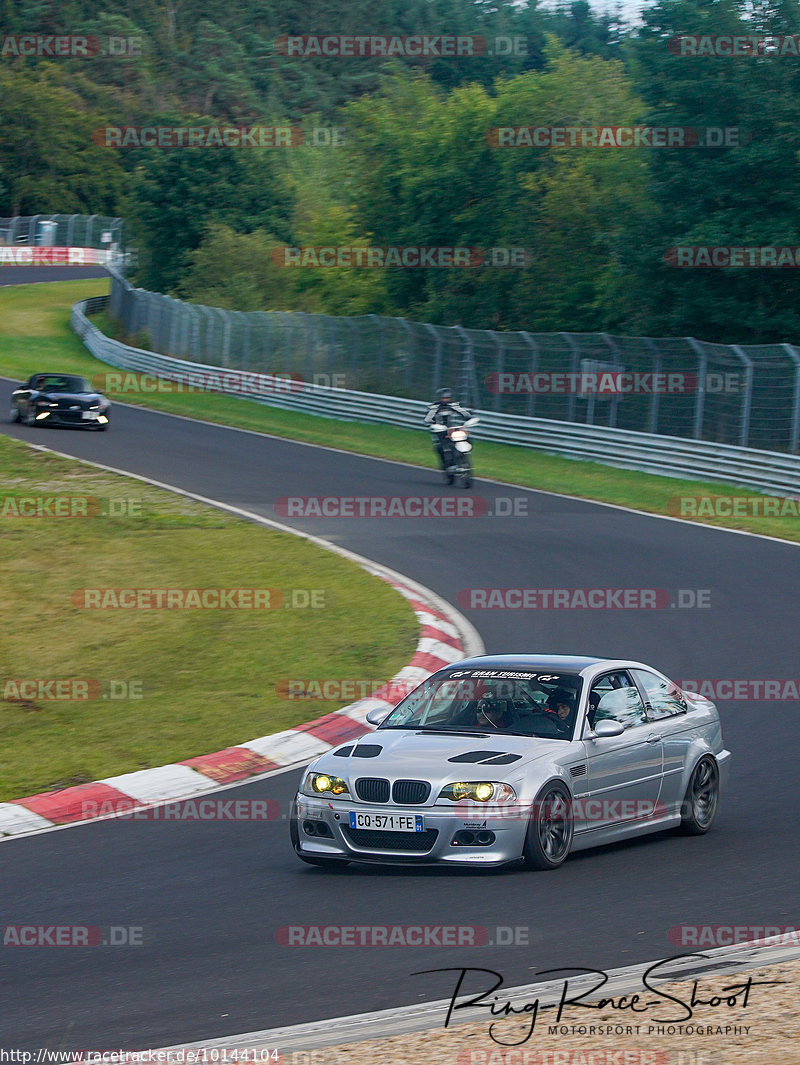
{"x":744,"y":395}
{"x":766,"y":471}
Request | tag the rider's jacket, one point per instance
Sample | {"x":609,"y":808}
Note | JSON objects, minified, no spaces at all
{"x":446,"y":414}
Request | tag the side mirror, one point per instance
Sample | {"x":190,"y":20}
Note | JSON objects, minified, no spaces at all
{"x":606,"y":728}
{"x":378,"y":715}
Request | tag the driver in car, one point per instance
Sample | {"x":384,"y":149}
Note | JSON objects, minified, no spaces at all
{"x":559,"y":704}
{"x":494,"y":713}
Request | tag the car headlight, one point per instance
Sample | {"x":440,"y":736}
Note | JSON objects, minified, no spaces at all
{"x":322,"y":784}
{"x":477,"y":791}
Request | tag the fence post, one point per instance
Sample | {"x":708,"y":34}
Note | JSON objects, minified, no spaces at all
{"x":534,"y":368}
{"x":747,"y":398}
{"x":501,"y":363}
{"x":794,"y":434}
{"x":700,"y":402}
{"x":614,"y":404}
{"x":656,"y":396}
{"x":437,"y":357}
{"x":409,"y":356}
{"x":467,"y":383}
{"x":573,"y":347}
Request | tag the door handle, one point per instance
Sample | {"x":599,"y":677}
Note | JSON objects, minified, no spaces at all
{"x":652,"y":738}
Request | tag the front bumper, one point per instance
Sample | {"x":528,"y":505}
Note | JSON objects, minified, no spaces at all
{"x":434,"y":845}
{"x":72,"y":418}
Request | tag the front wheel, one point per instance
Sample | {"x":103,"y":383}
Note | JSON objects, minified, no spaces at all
{"x":700,"y":804}
{"x":466,"y":475}
{"x":14,"y":415}
{"x":550,"y":829}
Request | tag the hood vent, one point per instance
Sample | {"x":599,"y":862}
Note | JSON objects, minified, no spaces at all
{"x":367,"y":750}
{"x":485,"y":758}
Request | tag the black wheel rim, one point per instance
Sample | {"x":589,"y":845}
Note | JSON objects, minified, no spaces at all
{"x":705,"y":792}
{"x":554,"y":825}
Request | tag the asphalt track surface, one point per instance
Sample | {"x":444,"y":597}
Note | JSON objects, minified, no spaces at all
{"x":211,"y":897}
{"x":30,"y":275}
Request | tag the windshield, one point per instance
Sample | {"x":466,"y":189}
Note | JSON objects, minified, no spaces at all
{"x":46,"y":382}
{"x":509,"y":702}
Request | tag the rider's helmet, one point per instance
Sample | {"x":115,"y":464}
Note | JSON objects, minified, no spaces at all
{"x":444,"y":395}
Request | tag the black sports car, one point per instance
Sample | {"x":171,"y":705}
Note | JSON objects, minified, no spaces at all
{"x":60,"y":399}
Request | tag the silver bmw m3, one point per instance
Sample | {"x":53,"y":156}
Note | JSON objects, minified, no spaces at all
{"x":509,"y":758}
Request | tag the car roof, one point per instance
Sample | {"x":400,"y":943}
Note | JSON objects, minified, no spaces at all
{"x":553,"y":663}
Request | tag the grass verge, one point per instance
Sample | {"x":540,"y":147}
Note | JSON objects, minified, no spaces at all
{"x":161,"y":685}
{"x":34,"y":327}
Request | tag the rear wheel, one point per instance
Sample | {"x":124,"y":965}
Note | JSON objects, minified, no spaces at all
{"x":466,"y":477}
{"x":550,"y":828}
{"x":702,"y":798}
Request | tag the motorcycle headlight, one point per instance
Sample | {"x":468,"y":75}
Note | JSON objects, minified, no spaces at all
{"x":477,"y":791}
{"x":458,"y":434}
{"x":323,"y":784}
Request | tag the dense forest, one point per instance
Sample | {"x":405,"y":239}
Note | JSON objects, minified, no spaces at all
{"x":429,"y":151}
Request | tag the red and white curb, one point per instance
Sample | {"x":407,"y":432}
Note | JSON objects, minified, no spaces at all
{"x":445,"y":637}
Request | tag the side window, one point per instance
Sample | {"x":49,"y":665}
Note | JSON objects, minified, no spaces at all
{"x":665,"y":698}
{"x":614,"y":697}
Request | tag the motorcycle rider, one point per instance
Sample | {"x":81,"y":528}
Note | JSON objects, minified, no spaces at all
{"x":445,"y":411}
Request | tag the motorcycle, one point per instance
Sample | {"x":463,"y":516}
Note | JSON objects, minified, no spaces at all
{"x":455,"y":452}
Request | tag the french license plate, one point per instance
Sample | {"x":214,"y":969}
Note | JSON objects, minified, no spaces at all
{"x":89,"y":416}
{"x":387,"y":822}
